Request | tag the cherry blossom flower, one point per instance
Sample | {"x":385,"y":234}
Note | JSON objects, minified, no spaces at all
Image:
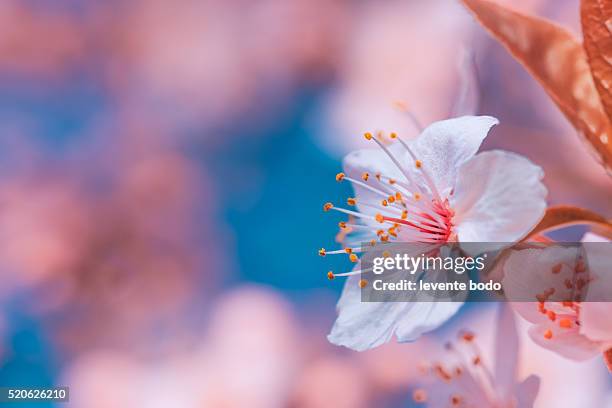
{"x":569,"y":316}
{"x":433,"y":190}
{"x":470,"y":382}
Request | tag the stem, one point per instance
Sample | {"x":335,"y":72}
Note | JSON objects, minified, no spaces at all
{"x":563,"y":216}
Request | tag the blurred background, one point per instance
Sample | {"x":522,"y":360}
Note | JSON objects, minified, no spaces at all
{"x":162,"y":170}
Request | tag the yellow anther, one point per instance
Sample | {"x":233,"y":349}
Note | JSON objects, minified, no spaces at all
{"x":404,"y":214}
{"x":377,"y":175}
{"x":548,"y":334}
{"x":353,"y":258}
{"x":348,"y":250}
{"x":367,"y":135}
{"x":565,"y":323}
{"x":365,"y":176}
{"x":380,"y":232}
{"x":380,"y":218}
{"x":327,"y":206}
{"x":386,"y":254}
{"x":330,"y":275}
{"x":393,"y":135}
{"x":351,"y":201}
{"x":363,"y":283}
{"x":384,"y":203}
{"x":392,"y":181}
{"x":342,"y":224}
{"x":373,"y":242}
{"x":322,"y":252}
{"x":339,"y":176}
{"x":418,"y":164}
{"x":417,"y":196}
{"x":384,"y":238}
{"x":391,"y":199}
{"x":398,"y":196}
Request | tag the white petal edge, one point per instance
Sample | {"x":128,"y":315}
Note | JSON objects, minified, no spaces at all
{"x":364,"y":325}
{"x":567,"y":343}
{"x":447,"y":144}
{"x":499,"y":197}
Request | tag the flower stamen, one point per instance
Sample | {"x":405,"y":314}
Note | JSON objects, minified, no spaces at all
{"x":394,"y":160}
{"x":419,"y":165}
{"x":355,"y":272}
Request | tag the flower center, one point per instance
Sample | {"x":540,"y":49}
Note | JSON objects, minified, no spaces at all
{"x":409,"y":210}
{"x":434,"y":225}
{"x":565,"y":313}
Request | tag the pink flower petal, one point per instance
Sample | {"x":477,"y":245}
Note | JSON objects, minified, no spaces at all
{"x":445,"y":145}
{"x":567,"y":342}
{"x":499,"y":197}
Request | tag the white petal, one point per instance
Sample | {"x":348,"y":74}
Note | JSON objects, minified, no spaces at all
{"x":598,"y":259}
{"x":445,"y":145}
{"x":364,"y":325}
{"x":568,"y":343}
{"x":442,"y":148}
{"x":595,"y":322}
{"x":527,"y":273}
{"x":499,"y":197}
{"x":425,"y":317}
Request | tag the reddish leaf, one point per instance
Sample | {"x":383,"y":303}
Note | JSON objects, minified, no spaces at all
{"x":565,"y":215}
{"x":558,"y":62}
{"x":596,"y":18}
